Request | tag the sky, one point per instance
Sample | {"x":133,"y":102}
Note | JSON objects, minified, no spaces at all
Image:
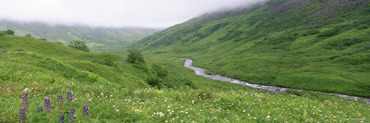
{"x":113,"y":13}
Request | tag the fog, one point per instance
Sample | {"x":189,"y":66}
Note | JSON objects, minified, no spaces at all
{"x":113,"y":13}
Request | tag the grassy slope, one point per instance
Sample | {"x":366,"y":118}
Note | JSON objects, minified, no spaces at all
{"x":98,"y":39}
{"x":49,"y":69}
{"x":321,"y":45}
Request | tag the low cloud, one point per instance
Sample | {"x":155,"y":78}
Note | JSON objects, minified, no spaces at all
{"x":113,"y":13}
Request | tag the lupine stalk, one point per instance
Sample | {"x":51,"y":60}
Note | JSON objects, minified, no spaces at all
{"x":71,"y":112}
{"x":60,"y":100}
{"x":69,"y":97}
{"x":61,"y":118}
{"x":25,"y":100}
{"x":47,"y":104}
{"x":86,"y":110}
{"x":40,"y":108}
{"x":22,"y":115}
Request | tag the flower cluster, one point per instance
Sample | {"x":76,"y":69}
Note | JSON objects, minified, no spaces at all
{"x":61,"y":118}
{"x":71,"y":112}
{"x":48,"y":107}
{"x":86,"y":110}
{"x":25,"y":100}
{"x":39,"y":108}
{"x":47,"y":104}
{"x":22,"y":114}
{"x":60,"y":102}
{"x":69,"y":96}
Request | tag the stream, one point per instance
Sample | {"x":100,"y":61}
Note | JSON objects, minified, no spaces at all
{"x":188,"y":63}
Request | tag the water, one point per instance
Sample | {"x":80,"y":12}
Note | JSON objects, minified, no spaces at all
{"x":188,"y":63}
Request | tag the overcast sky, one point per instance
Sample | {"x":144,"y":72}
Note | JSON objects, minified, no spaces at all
{"x":113,"y":13}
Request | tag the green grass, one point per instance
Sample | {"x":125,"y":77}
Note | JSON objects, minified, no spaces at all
{"x":293,"y":48}
{"x":49,"y":69}
{"x":119,"y":92}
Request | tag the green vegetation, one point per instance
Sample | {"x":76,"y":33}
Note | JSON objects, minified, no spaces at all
{"x":6,"y":32}
{"x":120,"y":91}
{"x":250,"y":44}
{"x":294,"y":44}
{"x":134,"y":56}
{"x":79,"y":45}
{"x":97,"y":38}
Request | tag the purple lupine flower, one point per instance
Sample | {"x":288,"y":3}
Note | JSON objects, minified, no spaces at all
{"x":25,"y":99}
{"x":61,"y":118}
{"x":86,"y":110}
{"x":22,"y":114}
{"x":71,"y":112}
{"x":52,"y":107}
{"x":40,"y":108}
{"x":69,"y":96}
{"x":47,"y":104}
{"x":60,"y":102}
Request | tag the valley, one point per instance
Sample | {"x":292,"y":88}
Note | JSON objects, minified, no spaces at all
{"x":300,"y":61}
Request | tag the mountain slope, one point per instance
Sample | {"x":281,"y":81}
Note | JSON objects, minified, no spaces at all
{"x":119,"y":93}
{"x":307,"y":44}
{"x":97,"y":38}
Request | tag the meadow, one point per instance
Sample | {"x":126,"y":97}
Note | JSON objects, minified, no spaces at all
{"x":307,"y":47}
{"x":45,"y":69}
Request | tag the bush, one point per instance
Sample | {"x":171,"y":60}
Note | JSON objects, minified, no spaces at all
{"x":159,"y":71}
{"x":28,"y":35}
{"x":79,"y":45}
{"x":134,"y":56}
{"x":155,"y":82}
{"x":9,"y":32}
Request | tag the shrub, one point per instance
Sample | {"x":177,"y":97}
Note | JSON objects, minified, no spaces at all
{"x":159,"y":71}
{"x":79,"y":45}
{"x":134,"y":56}
{"x":28,"y":35}
{"x":155,"y":82}
{"x":9,"y":32}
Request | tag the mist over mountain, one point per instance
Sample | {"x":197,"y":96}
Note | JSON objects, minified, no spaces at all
{"x":95,"y":37}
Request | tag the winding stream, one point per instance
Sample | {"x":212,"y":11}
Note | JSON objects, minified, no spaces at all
{"x":188,"y":63}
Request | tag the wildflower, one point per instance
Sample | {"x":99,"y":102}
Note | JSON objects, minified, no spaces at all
{"x":60,"y":102}
{"x":52,"y":107}
{"x":69,"y":96}
{"x":25,"y":99}
{"x":71,"y":112}
{"x":47,"y":104}
{"x":86,"y":110}
{"x":22,"y":115}
{"x":61,"y":118}
{"x":40,"y":108}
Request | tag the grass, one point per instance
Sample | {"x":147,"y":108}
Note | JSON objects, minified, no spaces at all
{"x":49,"y":69}
{"x":116,"y":91}
{"x":311,"y":52}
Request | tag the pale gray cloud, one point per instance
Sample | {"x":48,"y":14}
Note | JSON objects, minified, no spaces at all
{"x":113,"y":13}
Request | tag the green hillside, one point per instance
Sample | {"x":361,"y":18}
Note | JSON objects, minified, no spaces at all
{"x":161,"y":89}
{"x":116,"y":91}
{"x":318,"y":45}
{"x":97,"y":38}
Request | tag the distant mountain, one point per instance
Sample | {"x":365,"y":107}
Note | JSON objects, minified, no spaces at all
{"x":96,"y":38}
{"x":308,"y":44}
